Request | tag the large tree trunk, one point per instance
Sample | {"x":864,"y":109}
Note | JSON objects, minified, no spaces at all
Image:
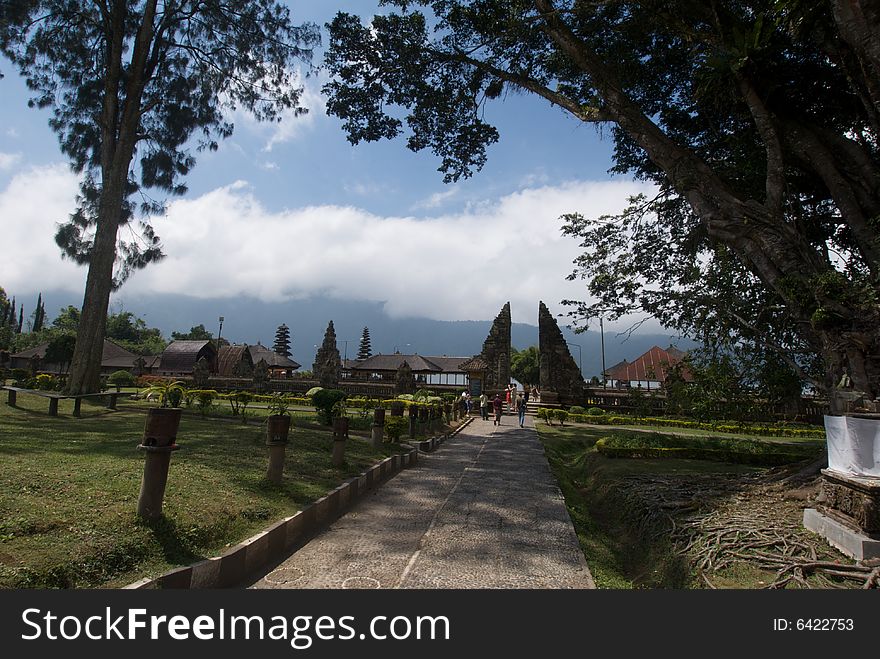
{"x":120,"y":118}
{"x":85,"y":367}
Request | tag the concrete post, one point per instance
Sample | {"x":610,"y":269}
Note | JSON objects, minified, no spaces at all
{"x":158,"y":459}
{"x":340,"y":434}
{"x":413,"y":417}
{"x":378,"y":427}
{"x":277,"y":430}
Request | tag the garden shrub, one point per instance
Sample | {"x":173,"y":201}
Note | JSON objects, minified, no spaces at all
{"x":324,"y":402}
{"x":121,"y":379}
{"x":395,"y":427}
{"x":576,"y":409}
{"x":20,"y":375}
{"x":561,"y":416}
{"x":46,"y":382}
{"x":596,"y":411}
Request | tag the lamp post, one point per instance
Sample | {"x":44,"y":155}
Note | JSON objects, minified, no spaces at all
{"x":219,"y":332}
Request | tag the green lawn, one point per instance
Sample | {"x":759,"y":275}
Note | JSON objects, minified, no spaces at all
{"x":69,"y":488}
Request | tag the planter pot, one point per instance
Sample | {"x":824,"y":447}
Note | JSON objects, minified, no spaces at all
{"x":161,"y":426}
{"x":340,"y":428}
{"x":277,"y":429}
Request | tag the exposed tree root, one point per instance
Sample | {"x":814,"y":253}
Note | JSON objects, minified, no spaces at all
{"x":723,"y":521}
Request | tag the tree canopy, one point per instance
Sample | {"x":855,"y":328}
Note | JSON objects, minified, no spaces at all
{"x":136,"y":88}
{"x":525,"y":365}
{"x":757,"y":122}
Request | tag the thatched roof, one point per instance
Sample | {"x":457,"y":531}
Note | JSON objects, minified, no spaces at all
{"x":181,"y":356}
{"x":230,"y":357}
{"x":273,"y":359}
{"x":112,"y":356}
{"x":417,"y":363}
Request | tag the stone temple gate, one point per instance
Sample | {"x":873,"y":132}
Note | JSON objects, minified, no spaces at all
{"x":561,"y":380}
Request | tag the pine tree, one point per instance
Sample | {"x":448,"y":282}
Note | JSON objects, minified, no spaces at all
{"x":39,"y":315}
{"x":365,"y":351}
{"x":20,"y":319}
{"x":282,"y":341}
{"x":11,"y":319}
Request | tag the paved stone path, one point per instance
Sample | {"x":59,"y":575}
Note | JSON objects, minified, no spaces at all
{"x":483,"y":511}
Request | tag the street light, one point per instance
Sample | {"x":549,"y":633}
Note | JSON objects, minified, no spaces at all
{"x":219,"y":332}
{"x":602,"y":338}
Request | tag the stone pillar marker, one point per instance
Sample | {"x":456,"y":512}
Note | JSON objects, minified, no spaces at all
{"x":413,"y":418}
{"x":159,"y":442}
{"x":378,"y":426}
{"x":277,"y":430}
{"x":340,"y":435}
{"x":424,"y":424}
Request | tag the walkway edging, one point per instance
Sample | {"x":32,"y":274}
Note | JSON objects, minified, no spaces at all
{"x":271,"y":545}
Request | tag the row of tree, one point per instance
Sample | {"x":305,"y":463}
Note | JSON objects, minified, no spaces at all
{"x":12,"y":323}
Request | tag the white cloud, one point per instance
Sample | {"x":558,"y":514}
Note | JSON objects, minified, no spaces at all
{"x":435,"y":200}
{"x":31,"y":205}
{"x":9,"y":160}
{"x":455,"y":266}
{"x":291,"y":126}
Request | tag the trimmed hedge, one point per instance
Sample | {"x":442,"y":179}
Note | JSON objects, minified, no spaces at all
{"x":765,"y":430}
{"x":736,"y":451}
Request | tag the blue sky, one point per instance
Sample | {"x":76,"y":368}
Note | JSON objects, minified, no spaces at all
{"x":373,"y":222}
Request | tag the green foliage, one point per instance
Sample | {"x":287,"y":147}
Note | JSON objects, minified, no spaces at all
{"x":45,"y":382}
{"x":197,"y":333}
{"x":577,"y":409}
{"x":170,"y":393}
{"x":325,"y":402}
{"x":121,"y":379}
{"x":60,"y":349}
{"x":311,"y":392}
{"x":19,"y":376}
{"x":594,"y":411}
{"x":739,"y":115}
{"x":546,"y":415}
{"x":395,"y":426}
{"x":735,"y":451}
{"x":525,"y":365}
{"x":279,"y":405}
{"x":560,"y":415}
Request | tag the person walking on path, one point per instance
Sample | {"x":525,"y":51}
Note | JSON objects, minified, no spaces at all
{"x":498,"y":406}
{"x":463,"y":403}
{"x":484,"y":406}
{"x":521,"y":408}
{"x":467,"y":400}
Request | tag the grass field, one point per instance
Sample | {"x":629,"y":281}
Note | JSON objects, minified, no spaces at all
{"x":69,"y":487}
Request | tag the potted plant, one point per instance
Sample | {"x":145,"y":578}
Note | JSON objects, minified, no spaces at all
{"x":163,"y":421}
{"x":278,"y":422}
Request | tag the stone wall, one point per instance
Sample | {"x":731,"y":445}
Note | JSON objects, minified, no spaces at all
{"x":496,"y":352}
{"x":560,"y":375}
